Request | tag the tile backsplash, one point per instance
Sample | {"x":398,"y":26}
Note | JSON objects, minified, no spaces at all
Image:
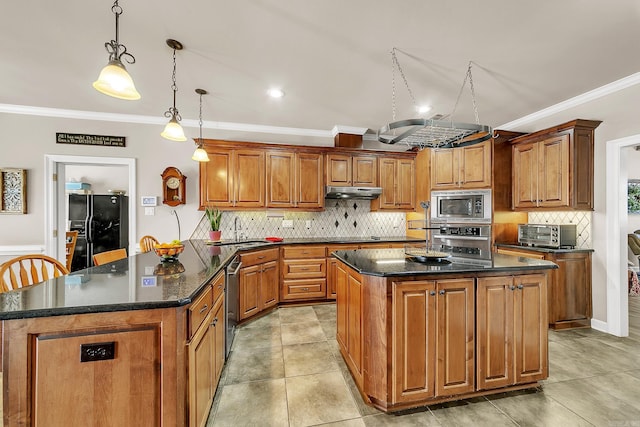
{"x":582,"y":219}
{"x":341,"y":218}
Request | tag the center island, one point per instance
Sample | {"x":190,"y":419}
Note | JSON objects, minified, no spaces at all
{"x":418,"y":333}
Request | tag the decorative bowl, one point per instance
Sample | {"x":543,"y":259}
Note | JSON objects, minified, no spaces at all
{"x":169,"y":253}
{"x":168,"y":268}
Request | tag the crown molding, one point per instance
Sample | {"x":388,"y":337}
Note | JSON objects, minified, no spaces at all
{"x":352,"y":130}
{"x":592,"y":95}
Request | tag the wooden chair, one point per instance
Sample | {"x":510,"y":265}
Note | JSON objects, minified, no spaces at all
{"x":72,"y":238}
{"x":27,"y":270}
{"x":147,"y":242}
{"x":109,"y":256}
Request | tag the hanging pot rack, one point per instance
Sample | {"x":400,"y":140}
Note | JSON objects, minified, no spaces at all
{"x":436,"y":132}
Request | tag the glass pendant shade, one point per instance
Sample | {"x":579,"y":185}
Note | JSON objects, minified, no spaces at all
{"x":173,"y":131}
{"x":115,"y":81}
{"x":200,"y":155}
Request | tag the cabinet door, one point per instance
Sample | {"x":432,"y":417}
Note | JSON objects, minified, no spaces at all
{"x":405,"y":184}
{"x":414,"y":340}
{"x":364,"y":171}
{"x":387,"y":199}
{"x":494,"y":325}
{"x":444,"y":169}
{"x":570,"y":290}
{"x":338,"y":170}
{"x":331,"y":277}
{"x":201,"y":373}
{"x":250,"y":290}
{"x":474,"y":164}
{"x":525,"y":175}
{"x":531,"y":327}
{"x":280,"y":179}
{"x":341,"y":279}
{"x":553,"y":171}
{"x":216,"y":179}
{"x":218,"y":338}
{"x":456,"y":343}
{"x":249,"y":178}
{"x":309,"y":181}
{"x":354,"y":324}
{"x":269,"y":280}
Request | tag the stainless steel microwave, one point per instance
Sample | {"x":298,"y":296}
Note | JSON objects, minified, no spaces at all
{"x":547,"y":235}
{"x":461,"y":206}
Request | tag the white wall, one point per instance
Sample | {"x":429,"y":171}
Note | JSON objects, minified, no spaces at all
{"x":101,"y":178}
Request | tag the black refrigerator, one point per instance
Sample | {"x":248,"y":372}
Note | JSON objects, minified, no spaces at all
{"x":102,"y":223}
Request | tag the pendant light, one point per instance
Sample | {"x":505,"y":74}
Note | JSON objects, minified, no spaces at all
{"x":173,"y":131}
{"x":200,"y":155}
{"x":114,"y":79}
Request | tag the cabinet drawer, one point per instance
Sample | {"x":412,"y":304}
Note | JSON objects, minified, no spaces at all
{"x":304,"y":268}
{"x":303,"y":252}
{"x":258,"y":257}
{"x":218,"y":286}
{"x":303,"y":289}
{"x":199,"y":310}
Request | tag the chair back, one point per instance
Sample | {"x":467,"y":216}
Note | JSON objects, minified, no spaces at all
{"x":27,"y":270}
{"x":147,"y":242}
{"x":72,"y":238}
{"x":109,"y":256}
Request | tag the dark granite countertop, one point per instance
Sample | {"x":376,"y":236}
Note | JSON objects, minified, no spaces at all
{"x":140,"y":281}
{"x":393,"y":262}
{"x":543,"y":250}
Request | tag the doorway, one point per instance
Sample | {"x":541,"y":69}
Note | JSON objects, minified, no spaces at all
{"x":55,"y":196}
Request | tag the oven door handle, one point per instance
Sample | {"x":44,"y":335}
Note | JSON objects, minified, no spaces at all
{"x":235,"y":272}
{"x":455,"y":236}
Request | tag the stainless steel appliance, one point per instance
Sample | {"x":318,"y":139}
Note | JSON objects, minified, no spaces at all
{"x":461,"y":206}
{"x":232,"y":301}
{"x":368,"y":193}
{"x":471,"y":241}
{"x":548,"y":235}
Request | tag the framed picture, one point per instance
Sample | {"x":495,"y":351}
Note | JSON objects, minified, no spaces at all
{"x":149,"y":201}
{"x":633,"y":196}
{"x":13,"y":191}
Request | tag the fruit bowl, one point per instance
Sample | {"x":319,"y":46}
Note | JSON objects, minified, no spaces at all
{"x":169,"y":252}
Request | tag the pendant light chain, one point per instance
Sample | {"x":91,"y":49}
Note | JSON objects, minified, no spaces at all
{"x":114,"y":48}
{"x":468,"y":76}
{"x":396,"y":64}
{"x":200,"y":120}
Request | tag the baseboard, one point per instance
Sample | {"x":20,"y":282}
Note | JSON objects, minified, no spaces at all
{"x":599,"y":325}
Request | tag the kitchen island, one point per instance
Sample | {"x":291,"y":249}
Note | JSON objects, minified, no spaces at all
{"x":417,"y":333}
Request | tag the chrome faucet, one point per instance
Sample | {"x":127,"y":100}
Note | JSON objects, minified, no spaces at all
{"x":236,"y":227}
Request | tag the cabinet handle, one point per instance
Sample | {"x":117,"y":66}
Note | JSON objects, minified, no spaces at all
{"x":304,"y":269}
{"x":442,"y":292}
{"x":204,"y":308}
{"x":215,"y":320}
{"x":512,"y":287}
{"x":520,"y":286}
{"x":432,"y":293}
{"x":261,"y":257}
{"x":305,"y":289}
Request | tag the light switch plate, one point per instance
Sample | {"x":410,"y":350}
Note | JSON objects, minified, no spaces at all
{"x":149,"y":211}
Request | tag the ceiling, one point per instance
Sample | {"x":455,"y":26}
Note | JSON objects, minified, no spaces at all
{"x":332,"y":58}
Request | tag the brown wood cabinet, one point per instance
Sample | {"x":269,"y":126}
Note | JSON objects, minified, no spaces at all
{"x":511,"y":330}
{"x":349,"y":319}
{"x":233,"y":178}
{"x":294,"y":180}
{"x":553,"y":168}
{"x":433,"y":345}
{"x":304,"y":272}
{"x":461,"y":167}
{"x":259,"y":281}
{"x":397,"y":177}
{"x":569,"y":287}
{"x":346,"y":170}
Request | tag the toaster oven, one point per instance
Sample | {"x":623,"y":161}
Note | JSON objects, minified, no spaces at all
{"x":547,"y":235}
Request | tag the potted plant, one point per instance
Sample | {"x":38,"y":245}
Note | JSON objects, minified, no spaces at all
{"x":214,"y":216}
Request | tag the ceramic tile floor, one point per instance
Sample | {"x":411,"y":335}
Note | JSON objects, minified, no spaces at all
{"x":285,"y":370}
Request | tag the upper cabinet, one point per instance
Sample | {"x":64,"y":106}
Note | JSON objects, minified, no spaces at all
{"x":553,"y":168}
{"x":345,"y":170}
{"x":397,"y":177}
{"x":294,"y":180}
{"x":461,"y":167}
{"x":233,"y":178}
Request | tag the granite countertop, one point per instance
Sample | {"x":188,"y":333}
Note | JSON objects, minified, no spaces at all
{"x":543,"y":250}
{"x":141,"y":281}
{"x":393,"y":262}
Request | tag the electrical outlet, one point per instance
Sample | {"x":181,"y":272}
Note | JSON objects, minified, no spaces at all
{"x":308,"y":223}
{"x":287,"y":223}
{"x":149,"y":211}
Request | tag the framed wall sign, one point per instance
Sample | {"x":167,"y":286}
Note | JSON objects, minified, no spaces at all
{"x":13,"y":191}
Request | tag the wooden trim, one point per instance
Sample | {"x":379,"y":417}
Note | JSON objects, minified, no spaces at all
{"x":578,"y":123}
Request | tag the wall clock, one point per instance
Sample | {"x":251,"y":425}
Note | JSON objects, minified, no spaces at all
{"x":173,"y":187}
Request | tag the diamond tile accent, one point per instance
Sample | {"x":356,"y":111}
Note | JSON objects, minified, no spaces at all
{"x":582,"y":219}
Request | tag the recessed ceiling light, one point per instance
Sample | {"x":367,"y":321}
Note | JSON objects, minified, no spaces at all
{"x":275,"y":93}
{"x":423,"y":109}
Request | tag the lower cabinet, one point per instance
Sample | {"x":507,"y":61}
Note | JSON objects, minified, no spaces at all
{"x":304,"y":272}
{"x":349,"y":327}
{"x":511,"y":330}
{"x":433,"y":344}
{"x":259,"y":282}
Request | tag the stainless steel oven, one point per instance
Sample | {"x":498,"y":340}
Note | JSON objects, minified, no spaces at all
{"x":232,"y":301}
{"x":461,"y":206}
{"x":471,"y":241}
{"x":547,"y":235}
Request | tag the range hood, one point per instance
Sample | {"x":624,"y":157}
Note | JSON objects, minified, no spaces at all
{"x":368,"y":193}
